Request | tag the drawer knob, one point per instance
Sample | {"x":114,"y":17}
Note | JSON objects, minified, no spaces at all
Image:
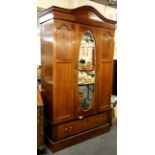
{"x":66,"y":129}
{"x":80,"y":117}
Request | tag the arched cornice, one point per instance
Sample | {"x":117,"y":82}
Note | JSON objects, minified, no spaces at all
{"x":83,"y":14}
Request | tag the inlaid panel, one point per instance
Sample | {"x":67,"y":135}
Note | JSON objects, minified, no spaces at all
{"x":65,"y":37}
{"x":107,"y":40}
{"x":105,"y":86}
{"x":63,"y":102}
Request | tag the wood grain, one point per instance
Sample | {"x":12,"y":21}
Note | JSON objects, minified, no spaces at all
{"x":61,"y":34}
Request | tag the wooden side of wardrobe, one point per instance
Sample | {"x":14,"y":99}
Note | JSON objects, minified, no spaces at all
{"x":58,"y":69}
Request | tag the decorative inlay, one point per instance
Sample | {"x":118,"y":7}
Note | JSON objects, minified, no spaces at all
{"x":65,"y":48}
{"x":107,"y":45}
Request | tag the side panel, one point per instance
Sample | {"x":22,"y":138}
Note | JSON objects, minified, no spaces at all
{"x":106,"y":68}
{"x":64,"y":92}
{"x":47,"y":66}
{"x":105,"y":86}
{"x":64,"y":38}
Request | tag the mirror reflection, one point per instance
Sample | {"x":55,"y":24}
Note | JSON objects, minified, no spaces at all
{"x":86,"y":70}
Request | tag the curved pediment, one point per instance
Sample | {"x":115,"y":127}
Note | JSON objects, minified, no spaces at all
{"x":83,"y":14}
{"x":88,"y":12}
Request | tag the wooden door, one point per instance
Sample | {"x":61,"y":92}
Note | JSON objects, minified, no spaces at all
{"x":64,"y":40}
{"x":80,"y":30}
{"x":106,"y":66}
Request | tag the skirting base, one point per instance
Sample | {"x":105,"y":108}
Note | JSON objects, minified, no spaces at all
{"x":61,"y":144}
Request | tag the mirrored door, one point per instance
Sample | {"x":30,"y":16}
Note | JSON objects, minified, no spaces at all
{"x":86,"y":71}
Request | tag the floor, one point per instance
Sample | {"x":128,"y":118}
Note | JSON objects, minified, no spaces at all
{"x":105,"y":144}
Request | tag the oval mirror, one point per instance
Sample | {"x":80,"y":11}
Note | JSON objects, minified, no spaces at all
{"x":86,"y":70}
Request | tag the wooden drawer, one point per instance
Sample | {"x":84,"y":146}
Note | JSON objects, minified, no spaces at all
{"x":71,"y":128}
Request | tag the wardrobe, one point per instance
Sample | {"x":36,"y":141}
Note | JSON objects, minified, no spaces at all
{"x":77,"y":47}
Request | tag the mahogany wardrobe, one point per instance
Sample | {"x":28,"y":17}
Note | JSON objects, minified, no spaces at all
{"x":77,"y":47}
